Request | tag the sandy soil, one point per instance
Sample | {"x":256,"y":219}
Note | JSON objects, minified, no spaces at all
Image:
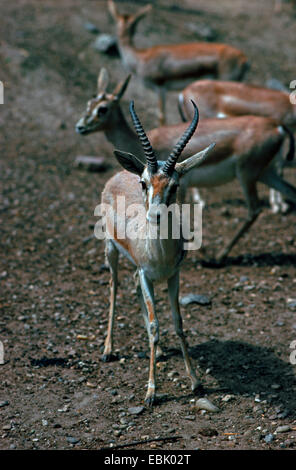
{"x":55,"y":393}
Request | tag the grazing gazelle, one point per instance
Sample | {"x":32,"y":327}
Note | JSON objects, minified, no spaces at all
{"x":246,"y":148}
{"x":221,"y":99}
{"x":169,"y":66}
{"x":151,"y":186}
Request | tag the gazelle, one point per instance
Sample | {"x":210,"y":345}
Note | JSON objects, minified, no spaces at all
{"x":163,"y":67}
{"x":246,"y":148}
{"x":151,"y":187}
{"x":217,"y":98}
{"x":220,"y":98}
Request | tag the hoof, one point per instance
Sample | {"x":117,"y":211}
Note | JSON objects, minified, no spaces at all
{"x":109,"y":358}
{"x":198,"y":388}
{"x":150,"y":400}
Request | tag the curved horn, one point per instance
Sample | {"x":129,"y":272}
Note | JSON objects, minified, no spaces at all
{"x":148,"y":150}
{"x":179,"y":147}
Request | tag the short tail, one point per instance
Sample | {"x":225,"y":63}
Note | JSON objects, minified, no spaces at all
{"x":291,"y":152}
{"x":181,"y":107}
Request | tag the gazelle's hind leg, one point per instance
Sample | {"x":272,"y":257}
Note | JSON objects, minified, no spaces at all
{"x":173,"y":288}
{"x":276,"y":200}
{"x":112,"y":258}
{"x":273,"y":180}
{"x":253,"y":204}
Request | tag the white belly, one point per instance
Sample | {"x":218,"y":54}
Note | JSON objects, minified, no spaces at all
{"x":213,"y":175}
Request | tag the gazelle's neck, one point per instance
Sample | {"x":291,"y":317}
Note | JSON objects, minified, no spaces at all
{"x":165,"y":249}
{"x":128,"y":53}
{"x":122,"y":136}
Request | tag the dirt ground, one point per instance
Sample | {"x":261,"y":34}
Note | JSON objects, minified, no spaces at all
{"x":55,"y":393}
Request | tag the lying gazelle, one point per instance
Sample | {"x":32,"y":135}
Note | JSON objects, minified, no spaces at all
{"x":220,"y":98}
{"x":169,"y":66}
{"x":217,"y":98}
{"x":152,"y":186}
{"x":246,"y":148}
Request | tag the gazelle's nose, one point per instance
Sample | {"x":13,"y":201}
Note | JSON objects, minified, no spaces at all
{"x":80,"y":126}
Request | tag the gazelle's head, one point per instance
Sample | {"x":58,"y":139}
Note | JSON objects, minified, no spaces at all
{"x":159,"y":180}
{"x":126,"y":24}
{"x":102,"y":109}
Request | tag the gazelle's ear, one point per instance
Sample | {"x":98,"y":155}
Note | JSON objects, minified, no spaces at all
{"x":121,"y":87}
{"x":129,"y":162}
{"x":103,"y":80}
{"x":112,"y":9}
{"x":142,"y":12}
{"x":193,"y":161}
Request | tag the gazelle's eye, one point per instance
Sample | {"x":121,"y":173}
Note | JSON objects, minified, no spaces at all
{"x":102,"y":110}
{"x":144,"y":185}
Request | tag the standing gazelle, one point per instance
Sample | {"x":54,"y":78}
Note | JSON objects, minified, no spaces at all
{"x":222,"y":99}
{"x":152,"y":187}
{"x":167,"y":66}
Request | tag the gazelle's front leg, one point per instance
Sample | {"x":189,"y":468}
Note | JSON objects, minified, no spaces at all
{"x":112,"y":257}
{"x":173,"y":288}
{"x":153,"y":333}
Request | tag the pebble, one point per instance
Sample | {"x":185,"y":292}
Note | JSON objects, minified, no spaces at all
{"x":190,"y":417}
{"x":227,"y":398}
{"x":291,"y":304}
{"x":284,"y":428}
{"x":4,"y":403}
{"x":72,"y":440}
{"x":269,"y":438}
{"x":195,"y":299}
{"x":205,"y":404}
{"x":105,"y":43}
{"x":91,"y":28}
{"x":136,"y":410}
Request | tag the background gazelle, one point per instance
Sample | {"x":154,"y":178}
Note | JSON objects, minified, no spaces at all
{"x":167,"y":66}
{"x":156,"y":259}
{"x":221,"y":99}
{"x":246,"y":148}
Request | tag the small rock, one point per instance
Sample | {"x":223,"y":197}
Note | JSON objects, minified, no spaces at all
{"x":275,"y":84}
{"x":269,"y":438}
{"x":190,"y":417}
{"x":227,"y":398}
{"x":284,"y":428}
{"x":91,"y":28}
{"x":205,"y":404}
{"x":105,"y":43}
{"x":4,"y":403}
{"x":195,"y":299}
{"x":72,"y":440}
{"x":291,"y":304}
{"x":203,"y":31}
{"x":136,"y":410}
